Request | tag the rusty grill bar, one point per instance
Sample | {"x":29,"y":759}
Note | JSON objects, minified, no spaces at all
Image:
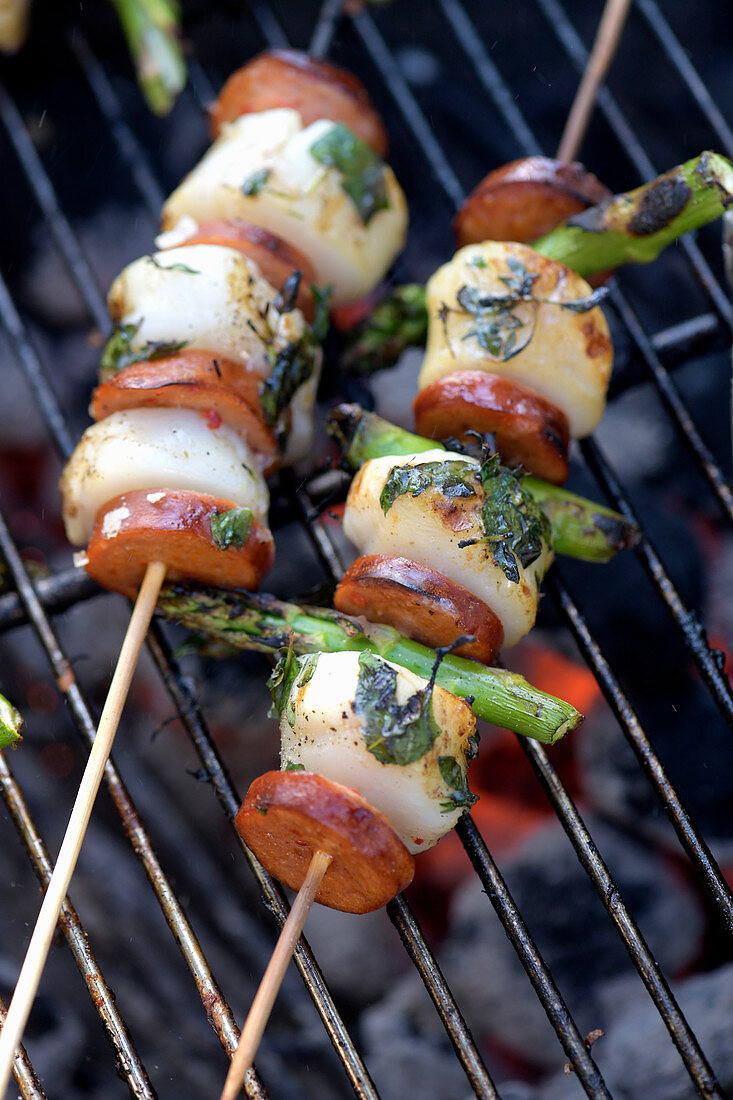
{"x":66,"y":589}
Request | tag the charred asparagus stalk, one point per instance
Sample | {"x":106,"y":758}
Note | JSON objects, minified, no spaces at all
{"x":580,"y":527}
{"x":630,"y":228}
{"x":11,"y":724}
{"x":268,"y":625}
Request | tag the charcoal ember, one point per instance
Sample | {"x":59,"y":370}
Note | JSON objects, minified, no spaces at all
{"x":578,"y":942}
{"x":636,"y":1056}
{"x":406,"y":1047}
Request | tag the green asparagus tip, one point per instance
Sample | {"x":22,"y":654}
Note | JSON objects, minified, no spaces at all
{"x":151,"y":29}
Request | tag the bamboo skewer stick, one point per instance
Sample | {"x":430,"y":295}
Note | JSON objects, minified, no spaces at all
{"x":259,"y":1013}
{"x":604,"y":48}
{"x":40,"y":942}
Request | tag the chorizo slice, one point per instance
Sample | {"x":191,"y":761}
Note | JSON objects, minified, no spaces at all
{"x":172,"y":526}
{"x":288,"y":816}
{"x":421,"y":603}
{"x":224,"y":391}
{"x":275,"y":258}
{"x":315,"y":89}
{"x":530,"y":431}
{"x":525,"y":199}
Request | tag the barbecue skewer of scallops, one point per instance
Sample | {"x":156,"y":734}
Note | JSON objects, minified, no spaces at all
{"x":208,"y":380}
{"x":373,"y":770}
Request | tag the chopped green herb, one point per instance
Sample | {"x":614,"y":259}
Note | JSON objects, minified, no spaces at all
{"x":472,"y":744}
{"x":362,"y":171}
{"x":255,"y":183}
{"x":289,"y":675}
{"x":453,"y":478}
{"x":452,"y":773}
{"x":515,"y":525}
{"x":231,"y":528}
{"x":261,"y":810}
{"x":394,"y":733}
{"x":501,"y":331}
{"x":173,"y":267}
{"x":291,"y":767}
{"x":321,"y":322}
{"x":119,"y":352}
{"x":478,"y":261}
{"x":291,"y":367}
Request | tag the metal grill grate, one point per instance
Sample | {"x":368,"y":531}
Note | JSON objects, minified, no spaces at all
{"x":370,"y":44}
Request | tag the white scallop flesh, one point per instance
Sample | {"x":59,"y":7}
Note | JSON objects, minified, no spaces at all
{"x":300,"y":200}
{"x":428,"y":529}
{"x":204,"y":296}
{"x":157,"y":449}
{"x":328,"y":737}
{"x":565,"y":357}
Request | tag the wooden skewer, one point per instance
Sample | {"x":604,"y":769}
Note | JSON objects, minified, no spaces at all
{"x":261,"y":1008}
{"x":30,"y":974}
{"x":604,"y":47}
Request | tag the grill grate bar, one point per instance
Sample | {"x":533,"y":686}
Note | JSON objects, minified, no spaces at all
{"x":325,"y":28}
{"x":690,"y":839}
{"x":598,"y":873}
{"x":102,"y":996}
{"x":23,"y":1072}
{"x":217,"y":1008}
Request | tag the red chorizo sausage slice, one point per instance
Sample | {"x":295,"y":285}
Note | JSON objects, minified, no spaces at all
{"x":525,"y":199}
{"x":275,"y":258}
{"x":316,"y":89}
{"x":287,"y":816}
{"x":221,"y":389}
{"x":421,"y":603}
{"x":530,"y":431}
{"x":172,"y":526}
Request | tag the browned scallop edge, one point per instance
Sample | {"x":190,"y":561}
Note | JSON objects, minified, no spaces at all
{"x":525,"y":199}
{"x":222,"y":390}
{"x":174,"y":528}
{"x":421,"y":603}
{"x":316,"y":89}
{"x":288,"y":816}
{"x":530,"y":431}
{"x":276,"y":259}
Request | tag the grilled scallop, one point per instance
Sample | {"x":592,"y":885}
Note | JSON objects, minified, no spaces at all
{"x":504,"y":308}
{"x":333,"y":721}
{"x":431,"y":507}
{"x":157,"y":449}
{"x":266,"y":169}
{"x":202,"y":296}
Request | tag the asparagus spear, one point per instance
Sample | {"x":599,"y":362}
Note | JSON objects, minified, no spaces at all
{"x":263,"y":623}
{"x":580,"y":527}
{"x":629,"y":228}
{"x":151,"y":30}
{"x":11,"y":724}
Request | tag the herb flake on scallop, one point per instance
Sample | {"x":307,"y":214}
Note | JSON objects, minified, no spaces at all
{"x":290,"y":368}
{"x":453,"y":775}
{"x":231,"y":528}
{"x":362,"y":171}
{"x":515,"y":526}
{"x":119,"y":352}
{"x":289,"y":674}
{"x":394,"y":733}
{"x":453,"y":478}
{"x":256,"y":182}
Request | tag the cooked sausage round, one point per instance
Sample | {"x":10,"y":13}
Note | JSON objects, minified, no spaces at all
{"x":421,"y":603}
{"x":288,"y":816}
{"x":275,"y":258}
{"x":525,"y":199}
{"x":172,"y":526}
{"x":530,"y":431}
{"x":316,"y":89}
{"x":222,"y":389}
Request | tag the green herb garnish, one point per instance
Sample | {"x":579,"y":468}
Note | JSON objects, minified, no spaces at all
{"x":453,"y":478}
{"x":173,"y":267}
{"x":452,"y":773}
{"x":514,"y":524}
{"x":119,"y":352}
{"x":231,"y":528}
{"x":499,"y":329}
{"x":289,"y":674}
{"x":255,"y":183}
{"x":394,"y":733}
{"x":291,"y":367}
{"x":321,"y":321}
{"x":292,"y":767}
{"x":362,"y":171}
